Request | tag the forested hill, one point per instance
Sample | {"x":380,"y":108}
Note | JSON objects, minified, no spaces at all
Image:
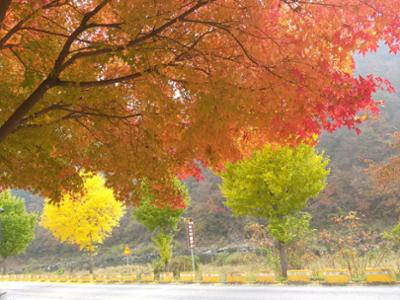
{"x":349,"y":186}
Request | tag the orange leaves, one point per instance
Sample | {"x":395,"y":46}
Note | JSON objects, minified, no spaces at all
{"x":211,"y":81}
{"x":116,"y":68}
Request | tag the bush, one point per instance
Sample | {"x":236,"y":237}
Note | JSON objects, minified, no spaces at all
{"x":272,"y":260}
{"x":60,"y":271}
{"x":158,"y":267}
{"x":180,"y":264}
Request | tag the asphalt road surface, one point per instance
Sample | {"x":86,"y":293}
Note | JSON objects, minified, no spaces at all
{"x":44,"y":291}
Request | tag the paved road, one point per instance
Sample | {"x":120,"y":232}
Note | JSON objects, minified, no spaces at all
{"x":43,"y":291}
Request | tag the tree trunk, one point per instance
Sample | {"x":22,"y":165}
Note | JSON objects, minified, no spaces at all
{"x":4,"y":266}
{"x":283,"y":258}
{"x":91,"y":263}
{"x":20,"y":112}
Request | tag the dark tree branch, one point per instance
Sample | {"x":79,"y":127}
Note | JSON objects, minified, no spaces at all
{"x":71,"y":114}
{"x":138,"y":40}
{"x":52,"y":33}
{"x":71,"y":39}
{"x":4,"y":5}
{"x":11,"y":32}
{"x":14,"y":120}
{"x":245,"y":51}
{"x":96,"y":113}
{"x":60,"y":64}
{"x":98,"y":83}
{"x":44,"y":111}
{"x":19,"y":58}
{"x":90,"y":131}
{"x":106,"y":82}
{"x":40,"y":125}
{"x":110,"y":25}
{"x":18,"y":26}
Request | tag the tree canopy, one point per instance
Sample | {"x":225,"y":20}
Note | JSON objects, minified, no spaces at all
{"x":17,"y":227}
{"x":274,"y":182}
{"x":84,"y":218}
{"x":142,"y":90}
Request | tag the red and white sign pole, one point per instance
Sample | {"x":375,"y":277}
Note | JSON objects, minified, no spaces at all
{"x":190,"y":239}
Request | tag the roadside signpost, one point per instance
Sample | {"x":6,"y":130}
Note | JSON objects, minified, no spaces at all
{"x":190,"y":239}
{"x":127,"y":253}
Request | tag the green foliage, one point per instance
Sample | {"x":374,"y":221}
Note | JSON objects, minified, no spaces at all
{"x":156,"y":218}
{"x":295,"y":232}
{"x":161,"y":221}
{"x":274,"y":182}
{"x":60,"y":271}
{"x":17,"y":227}
{"x":163,"y":242}
{"x":158,"y":267}
{"x":290,"y":228}
{"x":272,"y":260}
{"x":393,"y":236}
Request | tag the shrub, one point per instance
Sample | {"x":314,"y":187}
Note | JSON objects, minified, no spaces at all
{"x":158,"y":267}
{"x":60,"y":271}
{"x":180,"y":264}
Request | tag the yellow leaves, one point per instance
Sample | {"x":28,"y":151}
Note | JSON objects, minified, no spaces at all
{"x":347,"y":64}
{"x":87,"y":218}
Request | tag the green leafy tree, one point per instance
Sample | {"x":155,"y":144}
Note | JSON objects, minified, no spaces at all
{"x":162,"y":221}
{"x":17,"y":227}
{"x":275,"y":184}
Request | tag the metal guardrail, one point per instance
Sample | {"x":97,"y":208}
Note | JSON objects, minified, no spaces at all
{"x":329,"y":276}
{"x":380,"y":275}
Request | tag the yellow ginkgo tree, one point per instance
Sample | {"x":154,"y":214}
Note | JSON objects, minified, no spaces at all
{"x":84,"y":218}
